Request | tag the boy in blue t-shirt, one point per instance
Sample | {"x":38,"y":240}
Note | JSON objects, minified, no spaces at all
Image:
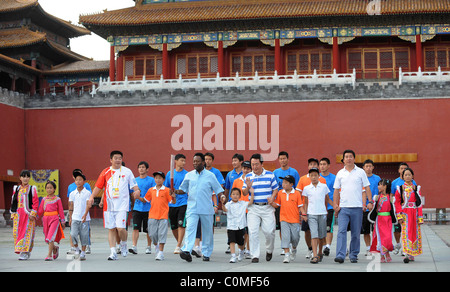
{"x":140,"y":209}
{"x":324,"y":167}
{"x":177,"y":211}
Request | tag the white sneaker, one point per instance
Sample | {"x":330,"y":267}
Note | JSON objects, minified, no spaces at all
{"x":148,"y":250}
{"x":247,"y":254}
{"x":397,"y":248}
{"x":233,"y":258}
{"x":88,"y":249}
{"x":112,"y":257}
{"x":240,"y":256}
{"x":23,"y":256}
{"x":82,"y":256}
{"x":71,"y":250}
{"x":160,"y":256}
{"x":293,"y":254}
{"x":287,"y":258}
{"x":177,"y":250}
{"x":123,"y":249}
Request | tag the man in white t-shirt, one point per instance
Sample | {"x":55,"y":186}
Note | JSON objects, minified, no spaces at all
{"x":348,"y":205}
{"x":117,"y":181}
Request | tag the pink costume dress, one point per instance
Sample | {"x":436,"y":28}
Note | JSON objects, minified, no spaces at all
{"x":21,"y":210}
{"x":52,"y":209}
{"x":382,"y":228}
{"x":408,"y":205}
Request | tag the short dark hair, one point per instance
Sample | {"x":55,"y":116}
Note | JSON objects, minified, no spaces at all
{"x":201,"y":155}
{"x":314,"y":170}
{"x":349,"y":151}
{"x":368,"y":161}
{"x":236,"y":189}
{"x":145,"y":163}
{"x":179,"y":155}
{"x":283,"y":153}
{"x":114,"y":152}
{"x":326,"y":160}
{"x":210,"y":155}
{"x":238,"y":156}
{"x":257,"y":156}
{"x":25,"y":173}
{"x":403,"y":164}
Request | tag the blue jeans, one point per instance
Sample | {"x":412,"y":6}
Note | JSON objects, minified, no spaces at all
{"x":354,"y":217}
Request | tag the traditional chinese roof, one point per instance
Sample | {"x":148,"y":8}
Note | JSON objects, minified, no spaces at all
{"x":13,"y":39}
{"x":87,"y":66}
{"x":19,"y":37}
{"x":255,"y":9}
{"x":19,"y":9}
{"x":11,"y":62}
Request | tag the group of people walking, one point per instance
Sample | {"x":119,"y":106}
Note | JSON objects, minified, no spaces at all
{"x":252,"y":198}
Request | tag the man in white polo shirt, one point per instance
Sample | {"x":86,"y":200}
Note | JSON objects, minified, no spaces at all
{"x":348,"y":204}
{"x":261,"y":213}
{"x":117,"y":180}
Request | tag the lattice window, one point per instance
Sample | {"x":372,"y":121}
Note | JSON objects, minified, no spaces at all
{"x":292,"y":62}
{"x":203,"y":64}
{"x":213,"y":65}
{"x":378,"y":63}
{"x":189,"y":65}
{"x":270,"y":63}
{"x":354,"y":60}
{"x":402,"y":60}
{"x":137,"y":67}
{"x":129,"y":67}
{"x":310,"y":60}
{"x":150,"y":65}
{"x":181,"y":65}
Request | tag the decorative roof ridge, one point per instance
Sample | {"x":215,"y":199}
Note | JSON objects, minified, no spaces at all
{"x":66,"y":51}
{"x":80,"y":30}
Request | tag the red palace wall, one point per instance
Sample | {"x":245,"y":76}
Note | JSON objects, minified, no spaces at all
{"x":65,"y":139}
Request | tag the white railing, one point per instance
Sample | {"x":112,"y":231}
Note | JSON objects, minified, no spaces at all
{"x":199,"y":83}
{"x":426,"y":76}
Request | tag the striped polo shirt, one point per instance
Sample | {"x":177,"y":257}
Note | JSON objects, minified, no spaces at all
{"x":263,"y":185}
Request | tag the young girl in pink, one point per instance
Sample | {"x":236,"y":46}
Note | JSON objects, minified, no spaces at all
{"x":408,"y":205}
{"x":53,"y":220}
{"x":383,"y":216}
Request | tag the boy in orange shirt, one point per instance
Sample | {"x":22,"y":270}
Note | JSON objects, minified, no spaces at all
{"x":291,"y":203}
{"x":158,"y":216}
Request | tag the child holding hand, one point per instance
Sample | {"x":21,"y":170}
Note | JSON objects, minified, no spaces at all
{"x":236,"y":221}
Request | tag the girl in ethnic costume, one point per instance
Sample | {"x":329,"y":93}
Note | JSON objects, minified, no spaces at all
{"x":53,"y":221}
{"x":24,"y":206}
{"x":383,"y":217}
{"x":408,"y":204}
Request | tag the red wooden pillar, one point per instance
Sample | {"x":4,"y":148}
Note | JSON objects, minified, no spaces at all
{"x":112,"y":64}
{"x":165,"y":62}
{"x":419,"y":53}
{"x":120,"y":68}
{"x":278,"y":57}
{"x":13,"y":83}
{"x":33,"y":83}
{"x":220,"y":59}
{"x":336,"y":64}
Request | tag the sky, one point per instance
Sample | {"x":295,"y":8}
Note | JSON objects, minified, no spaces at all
{"x":91,"y":46}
